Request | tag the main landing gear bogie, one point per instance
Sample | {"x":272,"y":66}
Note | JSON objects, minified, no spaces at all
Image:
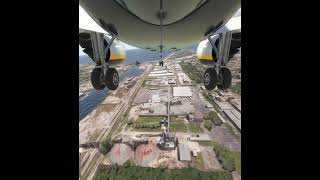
{"x":99,"y":81}
{"x":102,"y":75}
{"x":222,"y":80}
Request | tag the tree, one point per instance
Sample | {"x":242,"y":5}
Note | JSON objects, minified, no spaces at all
{"x":105,"y":146}
{"x":208,"y":124}
{"x":212,"y":116}
{"x":130,"y":122}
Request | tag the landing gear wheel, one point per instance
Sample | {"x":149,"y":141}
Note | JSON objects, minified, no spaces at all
{"x":112,"y":79}
{"x":226,"y":79}
{"x":210,"y":79}
{"x":97,"y":79}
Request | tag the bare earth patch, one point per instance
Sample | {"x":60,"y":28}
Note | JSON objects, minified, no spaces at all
{"x":210,"y":159}
{"x":169,"y":159}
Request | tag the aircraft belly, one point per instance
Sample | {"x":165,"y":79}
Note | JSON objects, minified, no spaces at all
{"x":134,"y":31}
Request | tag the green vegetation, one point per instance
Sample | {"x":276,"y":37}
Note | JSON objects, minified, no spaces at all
{"x":193,"y":72}
{"x":105,"y":146}
{"x":130,"y":122}
{"x":144,"y":83}
{"x":213,"y":117}
{"x":149,"y":119}
{"x":177,"y":125}
{"x":145,"y":173}
{"x":230,"y":160}
{"x":210,"y":98}
{"x":205,"y":143}
{"x":208,"y":124}
{"x":236,"y":88}
{"x":148,"y":123}
{"x":195,"y":128}
{"x":197,"y":162}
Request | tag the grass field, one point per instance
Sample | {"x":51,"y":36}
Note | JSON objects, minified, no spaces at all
{"x":225,"y":154}
{"x":135,"y":172}
{"x":148,"y":120}
{"x":205,"y":143}
{"x":148,"y":130}
{"x":195,"y":128}
{"x":177,"y":125}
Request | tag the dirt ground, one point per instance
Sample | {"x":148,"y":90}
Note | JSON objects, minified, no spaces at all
{"x":169,"y":159}
{"x":142,"y":96}
{"x":121,"y":92}
{"x":146,"y":154}
{"x":210,"y":159}
{"x":133,"y":113}
{"x":120,"y":153}
{"x":235,"y":175}
{"x":99,"y":119}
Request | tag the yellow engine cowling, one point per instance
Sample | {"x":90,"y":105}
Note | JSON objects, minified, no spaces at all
{"x":204,"y":52}
{"x":117,"y":52}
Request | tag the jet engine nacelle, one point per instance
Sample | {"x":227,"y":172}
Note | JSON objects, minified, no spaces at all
{"x":207,"y":55}
{"x":205,"y":52}
{"x":116,"y":53}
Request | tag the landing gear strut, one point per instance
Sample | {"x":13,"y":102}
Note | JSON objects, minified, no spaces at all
{"x":102,"y":75}
{"x":219,"y":75}
{"x":160,"y":63}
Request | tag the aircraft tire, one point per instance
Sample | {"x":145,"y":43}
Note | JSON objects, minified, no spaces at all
{"x":226,"y":79}
{"x":112,"y":79}
{"x":97,"y":79}
{"x":210,"y":79}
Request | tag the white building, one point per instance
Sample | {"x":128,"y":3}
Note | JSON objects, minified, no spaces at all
{"x":183,"y":91}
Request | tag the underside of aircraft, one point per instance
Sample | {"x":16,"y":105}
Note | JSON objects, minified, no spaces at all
{"x":159,"y":25}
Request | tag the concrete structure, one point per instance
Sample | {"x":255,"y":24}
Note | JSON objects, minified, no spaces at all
{"x":155,"y":98}
{"x":153,"y":109}
{"x":234,"y":116}
{"x":200,"y":137}
{"x":168,"y":141}
{"x":184,"y":152}
{"x":184,"y":91}
{"x":162,"y":74}
{"x":181,"y":110}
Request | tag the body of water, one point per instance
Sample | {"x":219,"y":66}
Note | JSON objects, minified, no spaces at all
{"x":95,"y":97}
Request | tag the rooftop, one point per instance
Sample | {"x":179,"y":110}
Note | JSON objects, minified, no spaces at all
{"x":182,"y":91}
{"x":184,"y":152}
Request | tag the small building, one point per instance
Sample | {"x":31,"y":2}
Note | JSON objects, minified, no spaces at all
{"x":194,"y":153}
{"x":198,"y":116}
{"x":190,"y":117}
{"x":184,"y":153}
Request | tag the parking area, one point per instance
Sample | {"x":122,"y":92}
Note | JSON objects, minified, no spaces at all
{"x":222,"y":135}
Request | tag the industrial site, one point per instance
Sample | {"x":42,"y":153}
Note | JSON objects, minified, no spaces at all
{"x":165,"y":118}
